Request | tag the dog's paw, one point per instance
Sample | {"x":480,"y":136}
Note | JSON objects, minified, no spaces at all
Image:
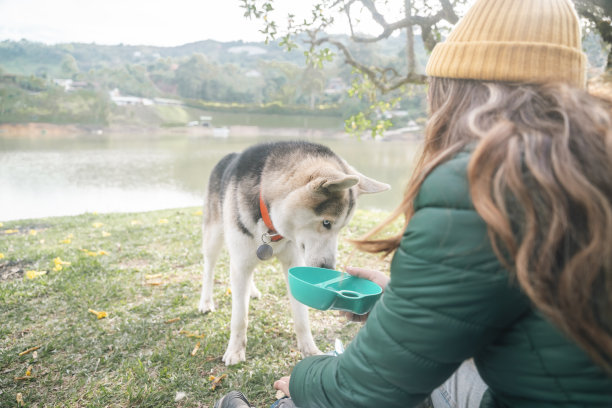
{"x":206,"y":306}
{"x":310,"y":350}
{"x":255,"y":293}
{"x":232,"y":357}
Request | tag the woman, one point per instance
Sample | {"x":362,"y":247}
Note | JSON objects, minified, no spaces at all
{"x":501,"y":283}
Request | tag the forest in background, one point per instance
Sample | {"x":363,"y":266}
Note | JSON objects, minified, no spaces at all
{"x":72,"y":83}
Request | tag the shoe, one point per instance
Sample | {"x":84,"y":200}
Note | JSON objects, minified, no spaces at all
{"x":233,"y":399}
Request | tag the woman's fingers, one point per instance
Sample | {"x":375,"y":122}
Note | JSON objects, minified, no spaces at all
{"x":282,"y":384}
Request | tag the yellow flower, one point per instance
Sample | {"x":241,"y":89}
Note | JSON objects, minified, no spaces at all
{"x":10,"y":231}
{"x":99,"y":315}
{"x":1,"y":255}
{"x":1,"y":224}
{"x":28,"y":372}
{"x":32,"y":232}
{"x":228,"y":291}
{"x":136,"y":222}
{"x":97,"y":224}
{"x":162,"y":221}
{"x":66,"y":241}
{"x":89,"y":253}
{"x":199,"y":212}
{"x":102,"y":252}
{"x":34,"y":274}
{"x":106,"y":234}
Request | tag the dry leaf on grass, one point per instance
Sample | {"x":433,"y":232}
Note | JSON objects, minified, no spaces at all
{"x":31,"y":349}
{"x":216,"y":381}
{"x":99,"y":314}
{"x":195,"y":349}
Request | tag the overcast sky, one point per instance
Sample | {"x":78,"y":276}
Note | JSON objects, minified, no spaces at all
{"x":134,"y":22}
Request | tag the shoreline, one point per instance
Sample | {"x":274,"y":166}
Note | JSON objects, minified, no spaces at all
{"x":50,"y":130}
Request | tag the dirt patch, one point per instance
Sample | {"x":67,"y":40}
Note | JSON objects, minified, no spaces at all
{"x":13,"y":269}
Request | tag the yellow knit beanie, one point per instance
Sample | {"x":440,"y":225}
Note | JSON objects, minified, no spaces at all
{"x":513,"y":40}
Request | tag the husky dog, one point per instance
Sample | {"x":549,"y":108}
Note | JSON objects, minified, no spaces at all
{"x":283,"y":199}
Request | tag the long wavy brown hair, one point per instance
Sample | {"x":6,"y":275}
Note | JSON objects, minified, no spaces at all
{"x":540,"y":176}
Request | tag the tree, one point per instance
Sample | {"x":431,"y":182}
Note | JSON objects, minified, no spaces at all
{"x":598,"y":14}
{"x":417,"y":20}
{"x":69,"y":66}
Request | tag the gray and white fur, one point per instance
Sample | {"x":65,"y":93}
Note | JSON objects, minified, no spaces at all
{"x":310,"y":193}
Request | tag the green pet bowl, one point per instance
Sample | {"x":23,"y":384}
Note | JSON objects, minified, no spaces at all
{"x":325,"y":289}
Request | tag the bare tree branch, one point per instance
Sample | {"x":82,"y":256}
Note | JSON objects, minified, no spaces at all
{"x":384,"y":84}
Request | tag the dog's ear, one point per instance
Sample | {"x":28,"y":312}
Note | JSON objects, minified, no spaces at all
{"x":368,"y":185}
{"x":334,"y":182}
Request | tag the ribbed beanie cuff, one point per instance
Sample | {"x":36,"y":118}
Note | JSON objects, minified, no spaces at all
{"x":513,"y":40}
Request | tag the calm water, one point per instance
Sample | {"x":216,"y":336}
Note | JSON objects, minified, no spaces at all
{"x":42,"y":178}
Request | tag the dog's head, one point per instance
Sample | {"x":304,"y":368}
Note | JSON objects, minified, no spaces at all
{"x":313,"y":214}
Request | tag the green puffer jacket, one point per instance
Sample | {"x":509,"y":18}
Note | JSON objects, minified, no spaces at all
{"x":449,"y":299}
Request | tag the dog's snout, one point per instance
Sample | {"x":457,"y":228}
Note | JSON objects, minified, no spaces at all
{"x":326,"y":265}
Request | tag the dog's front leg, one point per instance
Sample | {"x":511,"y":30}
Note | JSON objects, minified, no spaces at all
{"x":241,"y":280}
{"x":306,"y":343}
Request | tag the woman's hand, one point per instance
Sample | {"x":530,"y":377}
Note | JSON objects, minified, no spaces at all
{"x":377,"y":277}
{"x":283,"y":385}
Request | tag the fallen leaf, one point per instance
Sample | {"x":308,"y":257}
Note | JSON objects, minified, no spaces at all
{"x":31,"y":349}
{"x":106,"y":234}
{"x":188,"y":333}
{"x":34,"y":274}
{"x":66,"y":241}
{"x":162,"y":221}
{"x":10,"y":231}
{"x":217,"y":381}
{"x":97,"y":224}
{"x":195,"y":349}
{"x":1,"y":255}
{"x":99,"y":315}
{"x":32,"y":232}
{"x":20,"y":399}
{"x":136,"y":222}
{"x":176,"y":319}
{"x":199,"y":212}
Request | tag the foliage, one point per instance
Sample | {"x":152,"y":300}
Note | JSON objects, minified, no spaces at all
{"x":598,"y":17}
{"x":33,"y":100}
{"x":143,"y":270}
{"x":422,"y":24}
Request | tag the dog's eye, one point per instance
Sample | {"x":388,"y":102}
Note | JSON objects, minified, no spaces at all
{"x":327,"y":224}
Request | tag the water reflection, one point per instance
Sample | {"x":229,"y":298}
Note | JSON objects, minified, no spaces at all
{"x":42,"y":178}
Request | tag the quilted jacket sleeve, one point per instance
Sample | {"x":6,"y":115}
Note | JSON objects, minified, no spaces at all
{"x":447,"y":298}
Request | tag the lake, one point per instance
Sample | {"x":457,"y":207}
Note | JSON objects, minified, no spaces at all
{"x":44,"y":177}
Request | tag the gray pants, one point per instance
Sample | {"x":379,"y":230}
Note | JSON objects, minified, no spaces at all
{"x":463,"y":389}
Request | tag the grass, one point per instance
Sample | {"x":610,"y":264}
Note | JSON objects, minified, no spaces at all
{"x":143,"y":270}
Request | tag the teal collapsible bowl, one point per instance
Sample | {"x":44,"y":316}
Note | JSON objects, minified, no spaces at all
{"x":329,"y":289}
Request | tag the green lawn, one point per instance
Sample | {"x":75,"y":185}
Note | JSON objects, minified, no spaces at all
{"x":143,"y":270}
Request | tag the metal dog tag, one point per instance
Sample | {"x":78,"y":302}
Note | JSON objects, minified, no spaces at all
{"x":264,"y":252}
